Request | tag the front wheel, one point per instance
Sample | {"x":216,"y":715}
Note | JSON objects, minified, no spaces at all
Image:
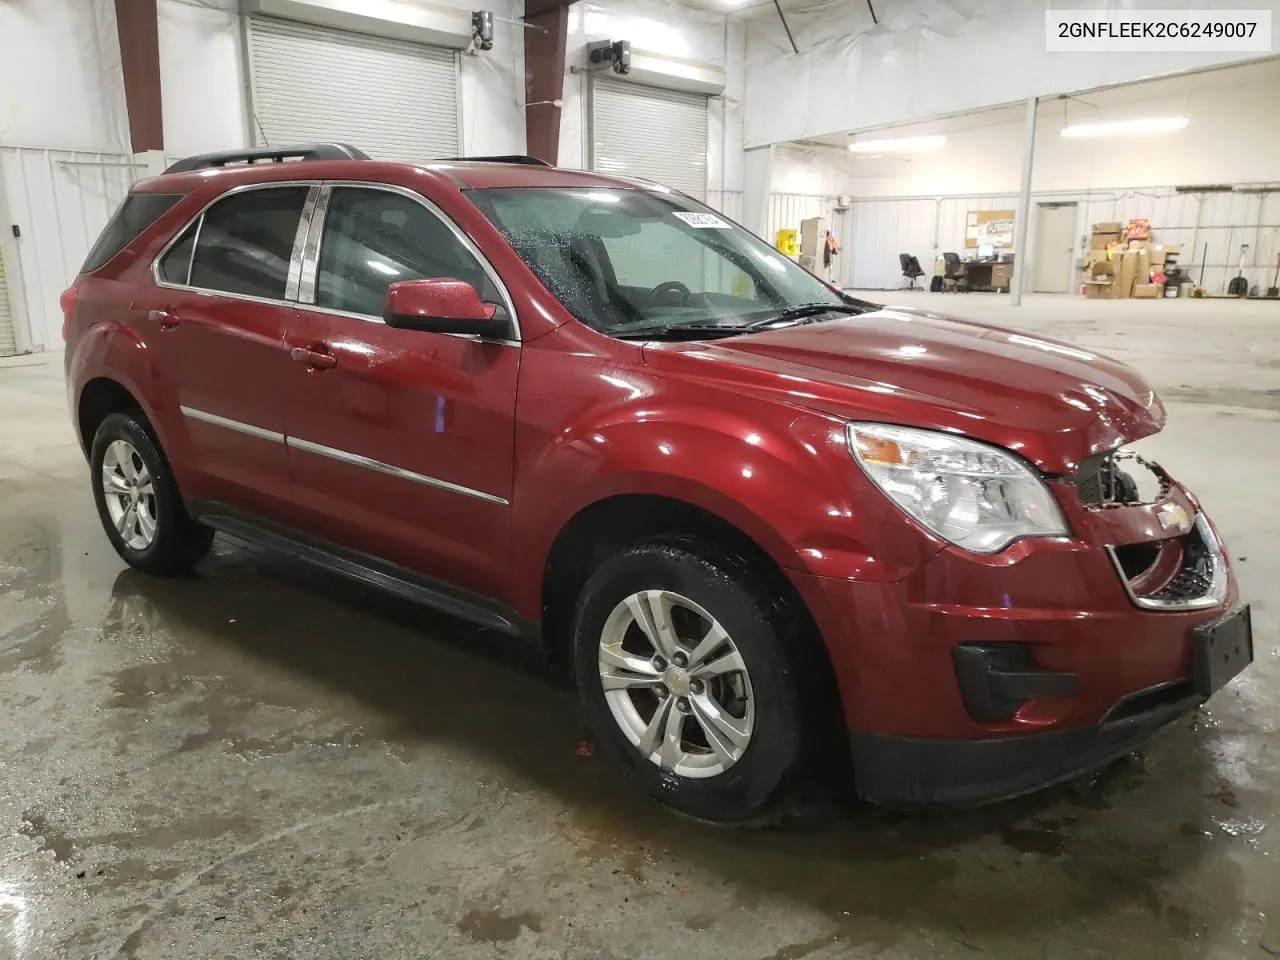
{"x":683,"y":665}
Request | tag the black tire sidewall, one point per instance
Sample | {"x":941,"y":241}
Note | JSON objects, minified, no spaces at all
{"x":752,"y":617}
{"x":171,"y":548}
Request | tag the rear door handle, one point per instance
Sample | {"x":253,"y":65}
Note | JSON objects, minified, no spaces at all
{"x":318,"y":359}
{"x":165,"y":319}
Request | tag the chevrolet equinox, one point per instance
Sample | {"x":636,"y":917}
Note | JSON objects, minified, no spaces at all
{"x":750,"y":511}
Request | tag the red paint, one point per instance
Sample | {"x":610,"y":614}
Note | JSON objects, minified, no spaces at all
{"x":439,"y":300}
{"x":750,"y":429}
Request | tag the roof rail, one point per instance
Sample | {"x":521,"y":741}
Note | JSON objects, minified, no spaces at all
{"x":305,"y":151}
{"x":512,"y":158}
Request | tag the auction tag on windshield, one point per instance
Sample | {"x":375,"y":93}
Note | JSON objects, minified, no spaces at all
{"x":703,"y":221}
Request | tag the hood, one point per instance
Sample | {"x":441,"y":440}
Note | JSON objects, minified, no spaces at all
{"x":1054,"y":403}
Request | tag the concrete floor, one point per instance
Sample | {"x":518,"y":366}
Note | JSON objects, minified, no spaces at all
{"x":263,"y":762}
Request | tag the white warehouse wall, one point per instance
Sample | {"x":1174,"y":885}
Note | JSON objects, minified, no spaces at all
{"x":983,"y":152}
{"x":675,"y":31}
{"x":202,"y":73}
{"x":61,"y":84}
{"x":916,"y":203}
{"x":929,"y":58}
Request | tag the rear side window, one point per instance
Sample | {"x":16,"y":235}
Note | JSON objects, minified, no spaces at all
{"x":176,"y":265}
{"x":139,"y":211}
{"x":245,"y":242}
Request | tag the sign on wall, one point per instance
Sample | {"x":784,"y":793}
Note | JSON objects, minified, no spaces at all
{"x":989,"y":226}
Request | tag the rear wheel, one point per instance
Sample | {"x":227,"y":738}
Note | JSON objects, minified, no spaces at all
{"x":683,"y":667}
{"x":139,"y":502}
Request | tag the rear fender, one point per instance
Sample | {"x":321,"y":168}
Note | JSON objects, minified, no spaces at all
{"x":115,"y":352}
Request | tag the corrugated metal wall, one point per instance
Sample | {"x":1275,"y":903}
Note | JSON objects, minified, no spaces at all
{"x":788,"y":210}
{"x":927,"y":226}
{"x":728,"y":202}
{"x":60,"y":200}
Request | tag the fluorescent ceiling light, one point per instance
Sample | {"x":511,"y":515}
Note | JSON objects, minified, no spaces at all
{"x":903,"y":143}
{"x":1122,"y":128}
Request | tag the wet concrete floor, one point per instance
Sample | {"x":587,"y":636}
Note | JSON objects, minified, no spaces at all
{"x":261,"y":761}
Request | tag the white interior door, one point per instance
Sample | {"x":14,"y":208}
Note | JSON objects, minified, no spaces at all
{"x":1055,"y":247}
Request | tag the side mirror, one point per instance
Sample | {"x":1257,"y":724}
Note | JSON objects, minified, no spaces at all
{"x":442,"y":305}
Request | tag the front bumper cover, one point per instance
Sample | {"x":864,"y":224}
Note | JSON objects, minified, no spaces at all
{"x":908,"y":772}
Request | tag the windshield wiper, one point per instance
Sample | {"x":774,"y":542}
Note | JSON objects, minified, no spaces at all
{"x":802,"y":311}
{"x":680,"y":331}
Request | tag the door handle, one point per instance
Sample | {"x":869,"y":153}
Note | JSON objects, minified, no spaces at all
{"x":164,"y":319}
{"x":317,"y":359}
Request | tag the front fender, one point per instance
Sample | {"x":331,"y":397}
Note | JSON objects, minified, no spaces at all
{"x":784,"y":477}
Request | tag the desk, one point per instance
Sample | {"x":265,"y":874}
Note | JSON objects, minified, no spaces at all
{"x":988,"y":274}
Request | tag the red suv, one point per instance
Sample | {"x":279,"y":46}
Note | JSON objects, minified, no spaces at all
{"x":749,"y":510}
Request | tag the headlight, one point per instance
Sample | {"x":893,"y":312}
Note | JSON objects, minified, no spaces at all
{"x":979,"y":497}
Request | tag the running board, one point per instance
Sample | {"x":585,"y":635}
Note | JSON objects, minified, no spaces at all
{"x":363,"y":568}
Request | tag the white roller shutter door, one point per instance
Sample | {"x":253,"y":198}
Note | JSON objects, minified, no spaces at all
{"x":642,"y":131}
{"x":8,"y":343}
{"x":393,"y":99}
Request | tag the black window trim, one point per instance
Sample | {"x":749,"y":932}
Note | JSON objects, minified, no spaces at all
{"x":295,"y":260}
{"x":311,"y":255}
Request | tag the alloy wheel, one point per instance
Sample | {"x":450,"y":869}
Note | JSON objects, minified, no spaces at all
{"x":676,"y":684}
{"x":129,"y":495}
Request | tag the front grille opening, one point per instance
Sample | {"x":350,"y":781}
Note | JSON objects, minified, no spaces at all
{"x":1195,"y":579}
{"x":1137,"y":558}
{"x":1146,"y":701}
{"x":1120,"y":478}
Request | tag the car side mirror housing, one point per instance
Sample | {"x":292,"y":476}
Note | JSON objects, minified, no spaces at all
{"x":443,"y":305}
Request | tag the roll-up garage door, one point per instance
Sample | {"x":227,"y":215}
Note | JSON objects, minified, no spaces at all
{"x":8,"y":343}
{"x":642,"y":131}
{"x":393,"y":99}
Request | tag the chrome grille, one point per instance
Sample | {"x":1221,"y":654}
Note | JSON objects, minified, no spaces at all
{"x":1201,"y":579}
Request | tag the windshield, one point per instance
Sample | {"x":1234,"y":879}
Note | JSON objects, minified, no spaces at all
{"x":627,"y":261}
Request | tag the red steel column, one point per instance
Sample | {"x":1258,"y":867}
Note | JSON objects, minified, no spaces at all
{"x":544,"y":56}
{"x":138,"y":30}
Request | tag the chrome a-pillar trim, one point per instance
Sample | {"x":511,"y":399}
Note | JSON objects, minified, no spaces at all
{"x":391,"y":470}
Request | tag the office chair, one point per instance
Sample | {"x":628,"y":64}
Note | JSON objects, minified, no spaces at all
{"x":910,"y":268}
{"x":951,"y":268}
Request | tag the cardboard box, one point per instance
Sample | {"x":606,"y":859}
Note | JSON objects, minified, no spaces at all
{"x":1139,"y":244}
{"x":1126,"y":275}
{"x":1110,"y":226}
{"x":1142,"y":274}
{"x":1102,"y":289}
{"x":1100,"y":241}
{"x":1148,"y":291}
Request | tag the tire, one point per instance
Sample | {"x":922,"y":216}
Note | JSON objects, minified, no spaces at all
{"x":742,"y":779}
{"x":143,"y":515}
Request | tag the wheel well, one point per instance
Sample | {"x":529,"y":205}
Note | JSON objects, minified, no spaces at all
{"x":607,"y":526}
{"x":100,"y":398}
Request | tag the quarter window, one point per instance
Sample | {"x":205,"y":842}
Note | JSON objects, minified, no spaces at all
{"x":246,"y":242}
{"x":374,"y":238}
{"x":176,"y":265}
